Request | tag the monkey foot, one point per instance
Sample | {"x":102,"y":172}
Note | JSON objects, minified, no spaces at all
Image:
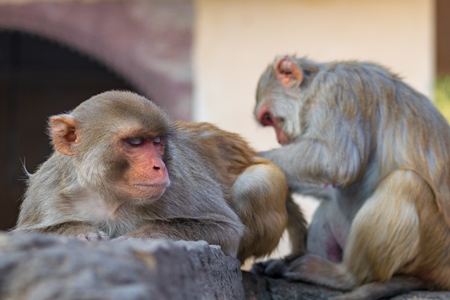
{"x":314,"y":269}
{"x":274,"y":268}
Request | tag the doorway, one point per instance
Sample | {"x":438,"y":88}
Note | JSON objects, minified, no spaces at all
{"x":38,"y":78}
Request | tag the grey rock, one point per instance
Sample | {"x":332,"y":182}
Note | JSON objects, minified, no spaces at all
{"x":265,"y":288}
{"x":423,"y":296}
{"x":37,"y":267}
{"x":41,"y":267}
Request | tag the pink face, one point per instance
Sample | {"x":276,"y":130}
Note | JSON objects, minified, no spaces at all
{"x":290,"y":76}
{"x":266,"y":118}
{"x":147,"y":174}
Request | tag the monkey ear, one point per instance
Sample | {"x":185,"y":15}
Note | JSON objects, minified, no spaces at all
{"x":288,"y":72}
{"x":64,"y":133}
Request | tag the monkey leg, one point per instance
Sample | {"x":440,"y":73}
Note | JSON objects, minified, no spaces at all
{"x":384,"y":237}
{"x":259,"y":198}
{"x":328,"y":231}
{"x":297,"y":230}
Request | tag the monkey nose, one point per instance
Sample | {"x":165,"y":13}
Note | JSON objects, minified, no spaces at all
{"x":265,"y":117}
{"x":157,"y":165}
{"x":267,"y":120}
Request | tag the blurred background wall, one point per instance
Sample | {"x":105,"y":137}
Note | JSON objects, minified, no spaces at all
{"x":199,"y":59}
{"x":236,"y":40}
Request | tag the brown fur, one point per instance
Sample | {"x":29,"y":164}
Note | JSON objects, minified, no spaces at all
{"x":386,"y":149}
{"x":219,"y":190}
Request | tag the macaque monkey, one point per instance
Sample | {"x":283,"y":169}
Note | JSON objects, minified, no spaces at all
{"x":121,"y":168}
{"x":381,"y":151}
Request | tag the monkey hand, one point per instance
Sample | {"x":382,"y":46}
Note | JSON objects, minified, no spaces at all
{"x":125,"y":238}
{"x":92,"y":236}
{"x":274,"y":268}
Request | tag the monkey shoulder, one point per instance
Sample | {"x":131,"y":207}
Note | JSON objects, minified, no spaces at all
{"x":197,"y":167}
{"x":49,"y":175}
{"x":208,"y":141}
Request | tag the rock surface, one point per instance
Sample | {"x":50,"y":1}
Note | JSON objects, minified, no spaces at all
{"x":263,"y":288}
{"x":38,"y":267}
{"x":35,"y":267}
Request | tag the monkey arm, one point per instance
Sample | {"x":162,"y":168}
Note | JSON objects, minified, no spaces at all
{"x":225,"y":234}
{"x":315,"y":161}
{"x":332,"y":149}
{"x":75,"y":229}
{"x":80,"y":230}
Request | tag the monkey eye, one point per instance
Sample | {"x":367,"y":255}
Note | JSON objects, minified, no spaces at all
{"x":158,"y":140}
{"x":134,"y":141}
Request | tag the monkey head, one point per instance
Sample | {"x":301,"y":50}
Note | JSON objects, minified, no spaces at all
{"x":278,"y":101}
{"x":117,"y":141}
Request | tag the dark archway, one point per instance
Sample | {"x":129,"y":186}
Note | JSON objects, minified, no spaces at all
{"x":38,"y":78}
{"x":147,"y":42}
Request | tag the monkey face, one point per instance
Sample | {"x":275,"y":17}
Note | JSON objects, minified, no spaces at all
{"x":277,"y":99}
{"x":144,"y":174}
{"x":117,"y":142}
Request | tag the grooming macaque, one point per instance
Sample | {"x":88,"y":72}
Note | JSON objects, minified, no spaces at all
{"x":122,"y":168}
{"x":381,"y":150}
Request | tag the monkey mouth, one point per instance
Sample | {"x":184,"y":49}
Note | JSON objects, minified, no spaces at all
{"x":266,"y":118}
{"x":152,"y":185}
{"x":158,"y":187}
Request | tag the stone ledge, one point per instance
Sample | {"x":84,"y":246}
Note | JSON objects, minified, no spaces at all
{"x":264,"y":288}
{"x":36,"y":266}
